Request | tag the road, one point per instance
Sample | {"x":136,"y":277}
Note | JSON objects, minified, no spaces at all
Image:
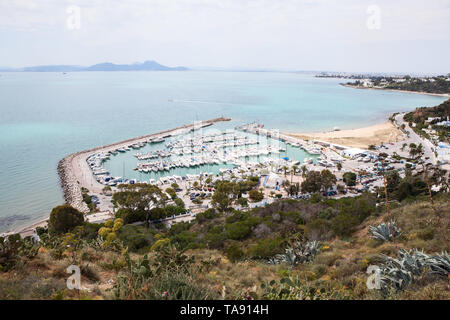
{"x":428,"y":147}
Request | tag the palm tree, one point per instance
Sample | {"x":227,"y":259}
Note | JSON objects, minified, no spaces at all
{"x":294,"y":170}
{"x":285,"y":169}
{"x":304,"y":170}
{"x":403,"y":146}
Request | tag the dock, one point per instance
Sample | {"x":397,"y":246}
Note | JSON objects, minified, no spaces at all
{"x":75,"y":174}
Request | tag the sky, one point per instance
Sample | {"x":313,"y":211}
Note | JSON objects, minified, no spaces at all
{"x":345,"y":35}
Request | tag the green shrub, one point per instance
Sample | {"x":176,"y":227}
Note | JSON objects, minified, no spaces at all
{"x":206,"y":215}
{"x":238,"y":230}
{"x":234,"y":253}
{"x":344,"y":224}
{"x":64,"y":218}
{"x":179,"y":203}
{"x":255,"y":195}
{"x":242,"y":202}
{"x":426,"y":234}
{"x":349,"y":179}
{"x":130,"y":216}
{"x":266,"y":248}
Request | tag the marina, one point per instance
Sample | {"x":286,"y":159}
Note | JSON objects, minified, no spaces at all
{"x":81,"y":169}
{"x":184,"y":156}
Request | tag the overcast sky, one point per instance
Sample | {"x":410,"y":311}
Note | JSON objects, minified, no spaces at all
{"x":344,"y":35}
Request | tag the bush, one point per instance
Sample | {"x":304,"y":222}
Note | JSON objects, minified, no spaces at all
{"x":349,"y":179}
{"x":242,"y":202}
{"x":234,"y":253}
{"x":206,"y":215}
{"x":64,"y":218}
{"x":266,"y":248}
{"x":173,"y":210}
{"x":216,"y":237}
{"x":179,"y":203}
{"x":426,"y":234}
{"x":129,"y":216}
{"x":255,"y":195}
{"x":238,"y":230}
{"x":171,"y":193}
{"x":135,"y":237}
{"x":344,"y":224}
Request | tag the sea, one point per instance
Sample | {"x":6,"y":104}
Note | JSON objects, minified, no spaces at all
{"x":46,"y":116}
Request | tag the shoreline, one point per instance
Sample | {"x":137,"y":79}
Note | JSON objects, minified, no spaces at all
{"x":355,"y":138}
{"x":446,"y":95}
{"x":74,"y":172}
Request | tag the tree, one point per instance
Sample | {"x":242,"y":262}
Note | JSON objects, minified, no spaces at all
{"x":392,"y":181}
{"x":403,"y":146}
{"x":304,"y":171}
{"x":64,"y":218}
{"x":312,"y":182}
{"x":349,"y":179}
{"x":255,"y":195}
{"x":316,"y":181}
{"x":140,"y":199}
{"x":294,"y":170}
{"x":224,"y":196}
{"x":416,"y":151}
{"x":327,"y":179}
{"x":339,"y":166}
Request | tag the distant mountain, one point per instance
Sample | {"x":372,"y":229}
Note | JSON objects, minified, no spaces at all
{"x":105,"y":66}
{"x":146,"y":66}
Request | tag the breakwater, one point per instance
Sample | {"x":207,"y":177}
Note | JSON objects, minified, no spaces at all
{"x":75,"y":173}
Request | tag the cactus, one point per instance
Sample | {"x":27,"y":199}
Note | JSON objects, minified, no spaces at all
{"x":383,"y":231}
{"x":297,"y":254}
{"x":292,"y":288}
{"x":439,"y":264}
{"x":398,"y":274}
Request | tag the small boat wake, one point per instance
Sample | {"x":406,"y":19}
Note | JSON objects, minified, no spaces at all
{"x":203,"y":102}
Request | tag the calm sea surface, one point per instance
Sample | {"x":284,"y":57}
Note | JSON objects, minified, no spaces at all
{"x":46,"y":116}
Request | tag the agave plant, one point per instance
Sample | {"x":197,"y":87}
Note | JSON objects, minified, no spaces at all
{"x":439,"y":264}
{"x":383,"y":231}
{"x":297,"y":254}
{"x":397,"y":274}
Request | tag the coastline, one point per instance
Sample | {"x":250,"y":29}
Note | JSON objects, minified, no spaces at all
{"x":356,"y":138}
{"x":446,"y":95}
{"x":74,"y":172}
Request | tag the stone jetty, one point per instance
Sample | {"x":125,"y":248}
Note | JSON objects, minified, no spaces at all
{"x":75,"y":174}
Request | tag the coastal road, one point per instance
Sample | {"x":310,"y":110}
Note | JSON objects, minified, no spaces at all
{"x":428,"y":147}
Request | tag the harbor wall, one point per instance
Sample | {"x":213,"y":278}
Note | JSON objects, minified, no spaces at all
{"x":71,"y":186}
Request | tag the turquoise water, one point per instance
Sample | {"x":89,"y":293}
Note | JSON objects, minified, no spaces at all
{"x":45,"y":116}
{"x":123,"y":164}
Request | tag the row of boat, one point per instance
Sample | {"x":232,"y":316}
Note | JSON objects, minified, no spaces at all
{"x":210,"y":158}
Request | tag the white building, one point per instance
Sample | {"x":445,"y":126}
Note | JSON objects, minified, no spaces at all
{"x":353,"y":152}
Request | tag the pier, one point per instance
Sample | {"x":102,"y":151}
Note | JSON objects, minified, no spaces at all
{"x":75,"y":173}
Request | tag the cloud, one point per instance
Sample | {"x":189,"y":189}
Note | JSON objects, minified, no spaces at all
{"x":269,"y":32}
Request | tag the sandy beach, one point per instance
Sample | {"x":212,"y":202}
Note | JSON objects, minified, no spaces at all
{"x":357,"y":138}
